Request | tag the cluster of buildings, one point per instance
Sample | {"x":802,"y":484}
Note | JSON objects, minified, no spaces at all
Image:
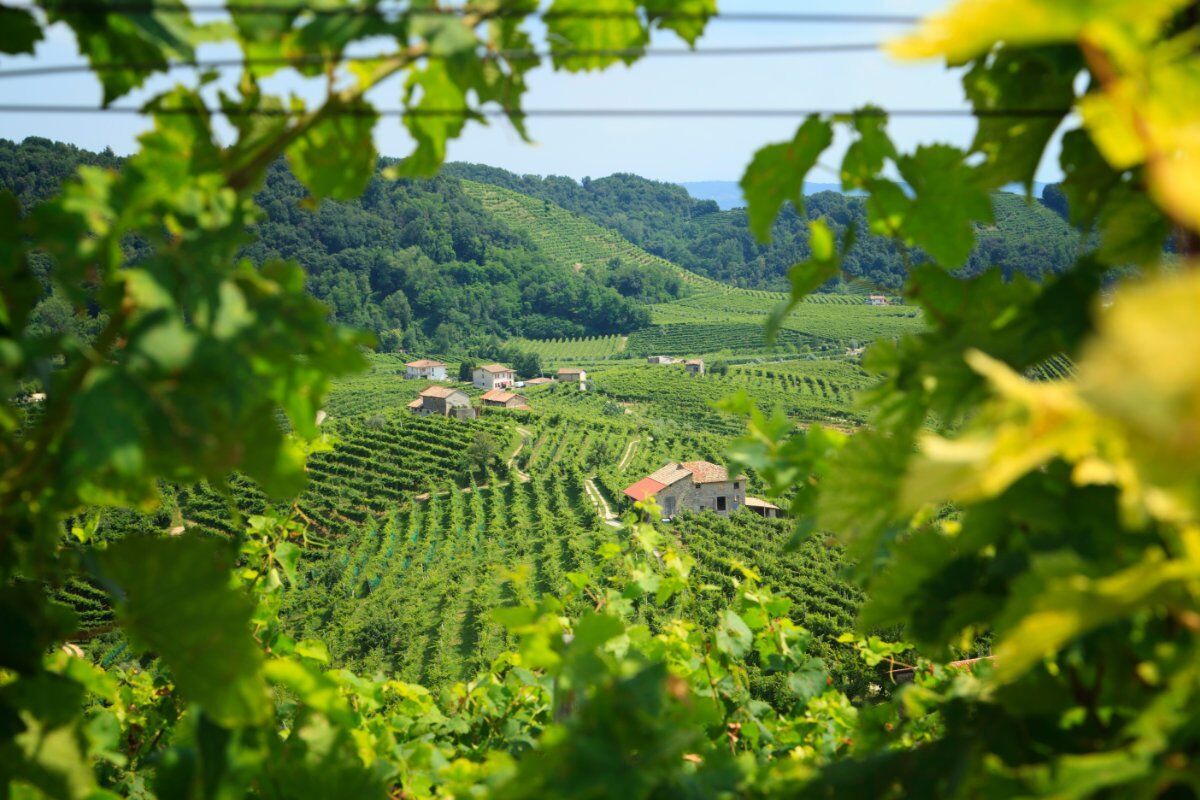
{"x":694,"y":366}
{"x":698,"y":486}
{"x":496,"y":379}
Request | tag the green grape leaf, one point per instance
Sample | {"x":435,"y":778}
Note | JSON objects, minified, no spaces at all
{"x":869,"y":151}
{"x":175,"y":598}
{"x":19,"y":31}
{"x":31,"y":626}
{"x":288,"y":556}
{"x":948,"y":201}
{"x":776,"y":174}
{"x":440,"y":115}
{"x":1132,"y":228}
{"x":734,"y":637}
{"x":141,"y":42}
{"x":824,"y":264}
{"x":1020,"y":79}
{"x":685,"y":17}
{"x":1087,"y":178}
{"x":21,"y":287}
{"x":336,"y":157}
{"x":969,"y":28}
{"x":609,"y":30}
{"x":48,"y":750}
{"x":808,"y":681}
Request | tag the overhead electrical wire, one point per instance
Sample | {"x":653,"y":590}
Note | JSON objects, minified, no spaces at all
{"x":511,"y":55}
{"x":1041,"y":113}
{"x":97,"y":8}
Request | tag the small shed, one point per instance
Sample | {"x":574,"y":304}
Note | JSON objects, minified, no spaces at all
{"x":498,"y":398}
{"x":763,"y":508}
{"x":694,"y":366}
{"x":659,"y":360}
{"x":878,"y":300}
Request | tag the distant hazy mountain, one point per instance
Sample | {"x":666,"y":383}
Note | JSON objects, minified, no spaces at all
{"x":727,"y":194}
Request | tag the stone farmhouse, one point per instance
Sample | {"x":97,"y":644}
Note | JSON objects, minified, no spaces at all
{"x":698,"y":486}
{"x":443,"y":400}
{"x":571,"y":375}
{"x":493,"y":376}
{"x":498,"y":398}
{"x":694,"y":366}
{"x":425,"y":370}
{"x":877,"y":300}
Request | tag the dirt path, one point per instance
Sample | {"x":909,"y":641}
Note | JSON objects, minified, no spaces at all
{"x":627,"y":456}
{"x":526,"y":435}
{"x":601,"y":504}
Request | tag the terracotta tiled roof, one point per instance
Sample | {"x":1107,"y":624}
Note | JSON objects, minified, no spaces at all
{"x":754,"y":502}
{"x":569,"y":371}
{"x":695,"y":362}
{"x":644,"y":488}
{"x":537,"y":381}
{"x":498,"y":395}
{"x":670,"y":474}
{"x":707,"y":472}
{"x":438,"y":391}
{"x":416,"y":403}
{"x":424,"y":363}
{"x":495,"y":368}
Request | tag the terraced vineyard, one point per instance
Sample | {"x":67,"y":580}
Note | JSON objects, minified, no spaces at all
{"x":700,"y":338}
{"x":571,"y":239}
{"x":589,"y":348}
{"x":809,"y":577}
{"x":412,"y":592}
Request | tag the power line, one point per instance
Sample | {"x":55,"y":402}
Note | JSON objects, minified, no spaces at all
{"x":649,"y":113}
{"x":511,"y":55}
{"x":146,"y":6}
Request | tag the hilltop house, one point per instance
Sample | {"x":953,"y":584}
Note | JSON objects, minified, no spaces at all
{"x":571,"y":375}
{"x":425,"y":370}
{"x":443,"y":400}
{"x":877,"y":300}
{"x":691,"y":486}
{"x":493,"y":376}
{"x":498,"y":398}
{"x":694,"y":366}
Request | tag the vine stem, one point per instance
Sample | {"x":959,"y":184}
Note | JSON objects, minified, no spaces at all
{"x":246,"y":176}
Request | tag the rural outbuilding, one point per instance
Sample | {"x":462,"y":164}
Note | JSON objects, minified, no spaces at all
{"x":443,"y":400}
{"x":498,"y":398}
{"x":691,"y":486}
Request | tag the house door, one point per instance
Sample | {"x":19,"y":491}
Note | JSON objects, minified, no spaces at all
{"x":669,"y":507}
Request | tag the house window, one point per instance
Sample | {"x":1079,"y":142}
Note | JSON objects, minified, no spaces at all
{"x":735,"y":486}
{"x":721,"y":503}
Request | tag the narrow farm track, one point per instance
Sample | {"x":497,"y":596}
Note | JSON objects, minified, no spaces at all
{"x":601,"y":504}
{"x":630,"y":449}
{"x":526,"y":435}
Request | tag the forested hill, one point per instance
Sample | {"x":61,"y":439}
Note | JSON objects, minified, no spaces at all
{"x":664,"y":219}
{"x":420,"y":262}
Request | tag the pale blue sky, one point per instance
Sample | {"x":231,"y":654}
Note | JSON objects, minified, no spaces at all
{"x":666,"y":149}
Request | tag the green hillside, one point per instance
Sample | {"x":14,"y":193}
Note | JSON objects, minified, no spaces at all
{"x":570,"y":239}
